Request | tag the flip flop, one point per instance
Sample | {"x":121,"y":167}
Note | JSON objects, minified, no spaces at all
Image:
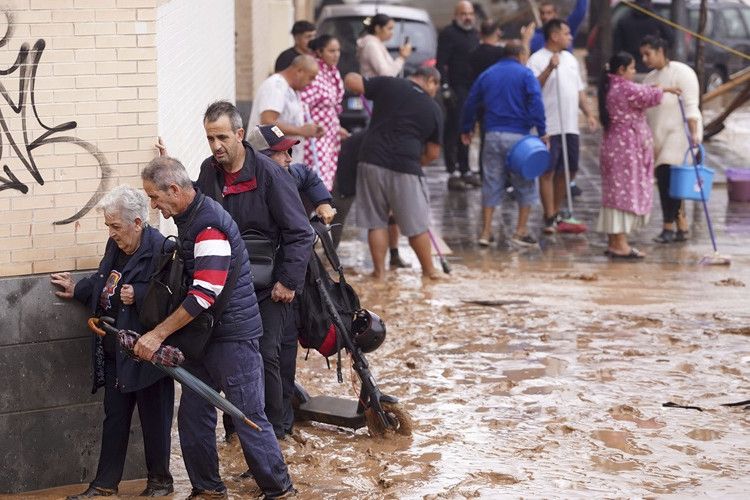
{"x":633,"y":255}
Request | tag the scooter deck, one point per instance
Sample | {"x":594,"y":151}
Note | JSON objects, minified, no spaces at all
{"x":330,"y":410}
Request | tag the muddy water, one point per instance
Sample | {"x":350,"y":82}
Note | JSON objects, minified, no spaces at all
{"x":537,"y":379}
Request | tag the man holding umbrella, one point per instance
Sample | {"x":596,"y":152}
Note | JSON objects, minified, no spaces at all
{"x":212,"y":247}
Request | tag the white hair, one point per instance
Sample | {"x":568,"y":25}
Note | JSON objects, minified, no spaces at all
{"x":130,"y":203}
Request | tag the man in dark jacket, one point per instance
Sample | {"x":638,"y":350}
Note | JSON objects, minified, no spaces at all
{"x":212,"y":248}
{"x":268,"y":140}
{"x":633,"y":27}
{"x":261,"y":197}
{"x":455,"y":43}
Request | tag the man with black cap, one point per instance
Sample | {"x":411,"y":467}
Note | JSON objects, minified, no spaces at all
{"x":260,"y":197}
{"x":269,"y":140}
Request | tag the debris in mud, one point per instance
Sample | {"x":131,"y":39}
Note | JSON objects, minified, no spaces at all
{"x":581,"y":277}
{"x":743,"y":330}
{"x":411,"y":364}
{"x":729,"y":282}
{"x":495,"y":303}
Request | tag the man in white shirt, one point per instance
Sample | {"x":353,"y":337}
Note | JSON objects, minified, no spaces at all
{"x":278,"y":103}
{"x":563,"y":93}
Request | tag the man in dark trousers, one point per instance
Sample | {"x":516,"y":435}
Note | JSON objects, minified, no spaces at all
{"x":404,"y":135}
{"x":302,"y":32}
{"x":213,"y":249}
{"x":260,"y":196}
{"x":455,"y":43}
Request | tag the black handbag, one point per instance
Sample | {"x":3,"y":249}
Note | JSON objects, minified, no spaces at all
{"x":167,"y":286}
{"x":261,"y":251}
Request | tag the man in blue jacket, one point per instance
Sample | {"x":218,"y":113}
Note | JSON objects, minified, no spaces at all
{"x":212,"y":248}
{"x":262,"y":197}
{"x":512,"y":100}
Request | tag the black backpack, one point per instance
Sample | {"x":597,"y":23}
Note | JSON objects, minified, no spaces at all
{"x":314,"y":320}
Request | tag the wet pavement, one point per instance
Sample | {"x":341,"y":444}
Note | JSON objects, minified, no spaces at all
{"x":542,"y":372}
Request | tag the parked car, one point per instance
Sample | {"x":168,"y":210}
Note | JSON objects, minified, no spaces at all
{"x":346,"y":22}
{"x":727,"y":23}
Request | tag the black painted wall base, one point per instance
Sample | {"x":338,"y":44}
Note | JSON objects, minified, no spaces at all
{"x":50,"y":422}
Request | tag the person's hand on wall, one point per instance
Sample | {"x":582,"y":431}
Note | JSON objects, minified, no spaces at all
{"x":161,"y":147}
{"x":66,"y":282}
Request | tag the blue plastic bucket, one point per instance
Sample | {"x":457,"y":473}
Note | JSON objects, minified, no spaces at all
{"x":529,"y":157}
{"x":683,"y":182}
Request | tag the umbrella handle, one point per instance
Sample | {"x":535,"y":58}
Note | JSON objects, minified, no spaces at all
{"x":252,"y":424}
{"x":94,"y":326}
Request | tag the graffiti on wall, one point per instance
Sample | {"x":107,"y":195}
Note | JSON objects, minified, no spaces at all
{"x":23,"y":106}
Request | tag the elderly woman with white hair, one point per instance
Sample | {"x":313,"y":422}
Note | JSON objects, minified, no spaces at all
{"x":116,"y":290}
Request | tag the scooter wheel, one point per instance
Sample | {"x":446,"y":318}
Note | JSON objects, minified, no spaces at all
{"x":399,"y":420}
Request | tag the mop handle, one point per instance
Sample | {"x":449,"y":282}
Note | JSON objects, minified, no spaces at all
{"x":564,"y":141}
{"x":366,"y":105}
{"x":313,"y":146}
{"x":697,"y":172}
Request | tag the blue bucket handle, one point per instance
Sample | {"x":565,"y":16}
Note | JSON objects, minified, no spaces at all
{"x":703,"y":155}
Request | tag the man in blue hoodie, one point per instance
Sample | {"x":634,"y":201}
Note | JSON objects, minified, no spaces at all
{"x":512,"y":100}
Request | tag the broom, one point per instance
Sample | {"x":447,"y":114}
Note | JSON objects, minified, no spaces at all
{"x":715,"y":259}
{"x":571,"y":224}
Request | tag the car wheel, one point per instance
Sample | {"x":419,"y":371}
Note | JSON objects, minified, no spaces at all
{"x":715,"y":78}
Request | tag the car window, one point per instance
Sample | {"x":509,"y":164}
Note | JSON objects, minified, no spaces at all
{"x":735,"y":27}
{"x":693,"y":21}
{"x":746,"y":16}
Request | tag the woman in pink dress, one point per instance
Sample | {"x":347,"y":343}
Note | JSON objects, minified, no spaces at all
{"x":626,"y":156}
{"x":323,"y":100}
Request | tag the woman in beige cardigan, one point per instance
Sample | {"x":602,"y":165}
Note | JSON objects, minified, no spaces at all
{"x":668,"y":129}
{"x":373,"y":56}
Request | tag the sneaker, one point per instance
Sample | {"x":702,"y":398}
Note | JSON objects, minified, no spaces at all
{"x":550,"y":225}
{"x":666,"y":236}
{"x":456,"y":184}
{"x":680,"y":236}
{"x":575,"y":190}
{"x":471,"y":180}
{"x":525,"y":240}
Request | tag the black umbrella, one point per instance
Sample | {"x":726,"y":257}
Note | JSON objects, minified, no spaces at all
{"x":168,"y":359}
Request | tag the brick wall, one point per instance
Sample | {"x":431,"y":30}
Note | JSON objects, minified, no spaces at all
{"x":103,"y":77}
{"x":76,"y":127}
